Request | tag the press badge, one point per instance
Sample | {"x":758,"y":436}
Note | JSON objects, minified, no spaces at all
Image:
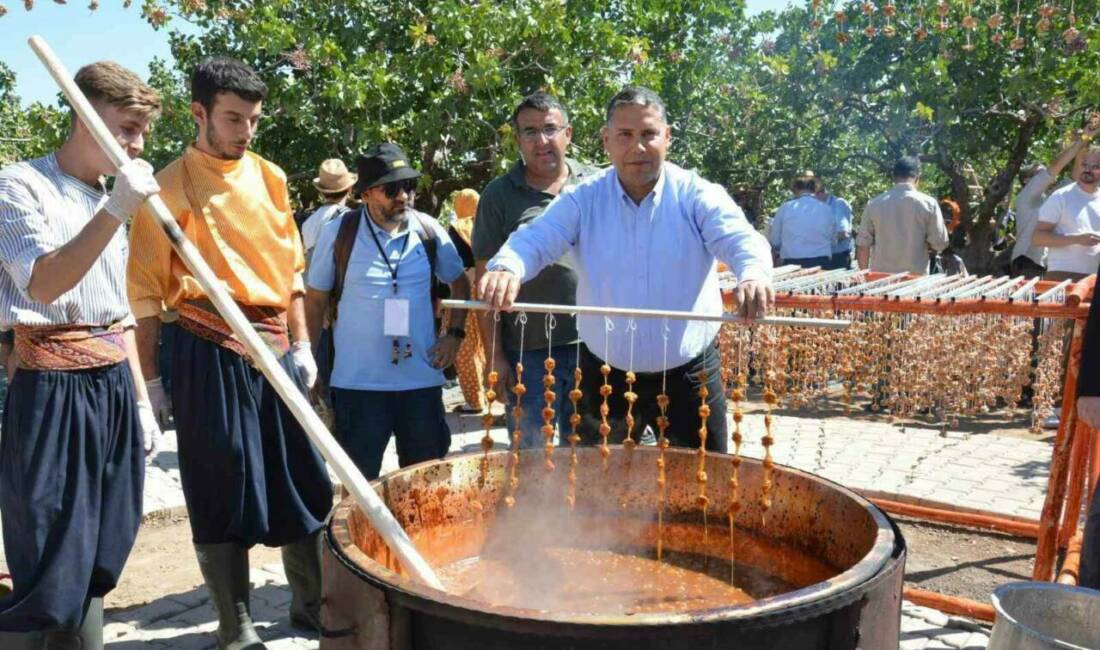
{"x":396,"y":321}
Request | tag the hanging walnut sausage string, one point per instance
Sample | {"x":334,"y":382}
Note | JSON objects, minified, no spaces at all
{"x":517,"y":416}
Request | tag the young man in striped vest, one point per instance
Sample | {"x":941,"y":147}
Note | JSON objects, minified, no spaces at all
{"x":71,"y":454}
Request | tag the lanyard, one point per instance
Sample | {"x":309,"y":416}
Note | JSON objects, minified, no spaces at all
{"x":382,"y":252}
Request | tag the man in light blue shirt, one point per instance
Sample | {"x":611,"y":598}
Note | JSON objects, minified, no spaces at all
{"x":387,"y":374}
{"x":803,"y":229}
{"x":842,"y":210}
{"x":644,"y":234}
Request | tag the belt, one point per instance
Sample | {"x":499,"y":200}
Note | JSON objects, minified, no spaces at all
{"x":69,"y":347}
{"x":201,"y":318}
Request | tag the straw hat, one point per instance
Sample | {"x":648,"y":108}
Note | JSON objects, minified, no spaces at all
{"x":333,"y":177}
{"x":807,"y":176}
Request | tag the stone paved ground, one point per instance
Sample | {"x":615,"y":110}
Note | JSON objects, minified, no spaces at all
{"x":983,"y":472}
{"x":1001,"y":474}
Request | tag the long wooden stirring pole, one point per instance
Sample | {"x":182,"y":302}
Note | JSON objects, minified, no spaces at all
{"x":374,"y":508}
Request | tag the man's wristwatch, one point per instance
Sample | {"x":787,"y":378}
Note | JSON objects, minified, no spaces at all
{"x":456,"y":332}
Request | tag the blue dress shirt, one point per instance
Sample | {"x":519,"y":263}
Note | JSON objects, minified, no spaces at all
{"x":803,"y":228}
{"x":842,"y":210}
{"x":659,"y":254}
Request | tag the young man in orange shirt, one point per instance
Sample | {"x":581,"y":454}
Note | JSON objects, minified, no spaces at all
{"x":249,"y":473}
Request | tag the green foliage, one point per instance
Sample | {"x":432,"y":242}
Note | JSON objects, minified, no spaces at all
{"x":752,"y":100}
{"x":971,"y":108}
{"x":26,"y":133}
{"x":441,"y":77}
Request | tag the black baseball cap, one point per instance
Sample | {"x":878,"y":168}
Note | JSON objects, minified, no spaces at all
{"x":381,"y":164}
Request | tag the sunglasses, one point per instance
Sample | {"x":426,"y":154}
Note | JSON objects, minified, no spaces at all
{"x":393,"y":189}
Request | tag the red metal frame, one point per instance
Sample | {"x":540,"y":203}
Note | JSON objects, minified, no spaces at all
{"x":1072,"y":474}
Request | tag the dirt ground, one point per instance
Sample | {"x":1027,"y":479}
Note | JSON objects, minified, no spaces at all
{"x":953,"y":561}
{"x":961,"y":561}
{"x":163,"y":563}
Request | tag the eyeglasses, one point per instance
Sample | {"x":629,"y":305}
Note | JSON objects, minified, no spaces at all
{"x":1089,"y":166}
{"x":394,"y":188}
{"x":550,"y":131}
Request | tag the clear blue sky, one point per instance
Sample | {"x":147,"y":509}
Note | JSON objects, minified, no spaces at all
{"x":111,"y":32}
{"x":78,"y":36}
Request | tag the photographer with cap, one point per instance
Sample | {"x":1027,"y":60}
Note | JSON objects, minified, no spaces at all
{"x":373,"y":273}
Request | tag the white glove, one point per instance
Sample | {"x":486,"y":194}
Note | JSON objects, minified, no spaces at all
{"x":149,"y":429}
{"x":158,"y":402}
{"x":134,"y":183}
{"x":302,"y":353}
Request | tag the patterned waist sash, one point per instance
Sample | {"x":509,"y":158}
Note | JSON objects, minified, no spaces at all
{"x":69,"y":347}
{"x":201,"y":318}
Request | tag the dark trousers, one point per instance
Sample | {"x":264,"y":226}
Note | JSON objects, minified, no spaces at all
{"x":249,"y":473}
{"x":807,"y":262}
{"x":1024,"y":266}
{"x":841,"y":260}
{"x":72,"y":468}
{"x":365,"y":420}
{"x":683,"y":409}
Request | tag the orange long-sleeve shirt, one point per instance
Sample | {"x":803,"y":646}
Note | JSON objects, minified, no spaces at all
{"x":246,"y":233}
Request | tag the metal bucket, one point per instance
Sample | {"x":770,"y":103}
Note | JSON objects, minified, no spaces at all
{"x":368,"y":604}
{"x":1045,"y":616}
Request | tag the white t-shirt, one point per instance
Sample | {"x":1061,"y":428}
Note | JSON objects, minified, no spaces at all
{"x":311,"y":227}
{"x":1072,"y":211}
{"x":1028,"y":202}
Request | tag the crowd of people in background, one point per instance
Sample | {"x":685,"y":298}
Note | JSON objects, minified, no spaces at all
{"x":899,"y":230}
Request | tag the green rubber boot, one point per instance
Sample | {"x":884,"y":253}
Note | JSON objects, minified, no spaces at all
{"x":88,"y":637}
{"x":21,"y":640}
{"x":302,"y":562}
{"x":225,"y":571}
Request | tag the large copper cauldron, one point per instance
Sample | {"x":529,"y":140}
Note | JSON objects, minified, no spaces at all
{"x":853,"y":602}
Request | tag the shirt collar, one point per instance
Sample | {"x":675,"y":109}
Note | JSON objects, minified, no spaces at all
{"x":212,"y":163}
{"x":905,"y":186}
{"x":657,"y":192}
{"x":517,"y":174}
{"x":1082,"y":190}
{"x":380,"y":232}
{"x":96,"y":191}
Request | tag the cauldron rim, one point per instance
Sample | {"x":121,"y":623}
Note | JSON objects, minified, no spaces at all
{"x":837,"y":590}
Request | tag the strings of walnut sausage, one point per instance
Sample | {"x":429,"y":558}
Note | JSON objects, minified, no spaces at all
{"x":517,"y":416}
{"x":550,"y":397}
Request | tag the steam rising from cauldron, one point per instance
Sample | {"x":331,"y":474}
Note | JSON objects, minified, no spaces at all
{"x":531,"y":543}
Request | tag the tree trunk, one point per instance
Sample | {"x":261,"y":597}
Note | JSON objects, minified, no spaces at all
{"x":997,"y":189}
{"x":980,"y":222}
